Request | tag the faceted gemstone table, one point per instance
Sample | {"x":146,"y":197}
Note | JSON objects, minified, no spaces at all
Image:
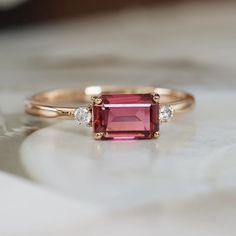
{"x":181,"y":184}
{"x":126,"y":116}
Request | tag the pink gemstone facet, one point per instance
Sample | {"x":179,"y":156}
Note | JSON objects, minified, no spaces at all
{"x":126,"y":116}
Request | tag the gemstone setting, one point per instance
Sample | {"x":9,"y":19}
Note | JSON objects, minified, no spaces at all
{"x":83,"y":115}
{"x":126,"y":116}
{"x":166,"y":113}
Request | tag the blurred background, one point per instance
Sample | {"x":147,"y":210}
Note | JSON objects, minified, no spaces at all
{"x":18,"y":12}
{"x":56,"y":180}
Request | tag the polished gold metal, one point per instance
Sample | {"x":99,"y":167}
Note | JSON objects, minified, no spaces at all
{"x":97,"y":100}
{"x":62,"y":103}
{"x":157,"y":134}
{"x":156,"y":97}
{"x":98,"y":136}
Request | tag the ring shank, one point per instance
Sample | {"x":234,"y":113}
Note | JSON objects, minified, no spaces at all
{"x":63,"y":102}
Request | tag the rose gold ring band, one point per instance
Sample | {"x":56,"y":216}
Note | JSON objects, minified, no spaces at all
{"x":63,"y":102}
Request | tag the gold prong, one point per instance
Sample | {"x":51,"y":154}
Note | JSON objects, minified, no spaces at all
{"x":98,"y":136}
{"x":156,"y":97}
{"x":97,"y":100}
{"x":157,"y":134}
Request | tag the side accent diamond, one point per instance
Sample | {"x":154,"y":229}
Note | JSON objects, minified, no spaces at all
{"x":166,"y":113}
{"x":83,"y":115}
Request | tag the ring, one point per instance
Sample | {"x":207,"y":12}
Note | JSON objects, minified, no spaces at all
{"x":113,"y":112}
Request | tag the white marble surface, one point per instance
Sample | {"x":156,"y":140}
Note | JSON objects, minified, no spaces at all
{"x":27,"y":209}
{"x":189,"y":159}
{"x":182,"y":184}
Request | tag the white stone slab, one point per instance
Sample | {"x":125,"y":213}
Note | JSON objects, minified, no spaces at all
{"x":182,"y":184}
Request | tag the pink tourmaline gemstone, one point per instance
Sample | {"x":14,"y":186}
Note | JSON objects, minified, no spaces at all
{"x":126,"y":116}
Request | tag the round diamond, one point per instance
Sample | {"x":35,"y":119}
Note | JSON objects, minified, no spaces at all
{"x":83,"y":115}
{"x":166,"y":113}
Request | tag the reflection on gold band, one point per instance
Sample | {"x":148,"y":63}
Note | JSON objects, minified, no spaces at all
{"x":63,"y":102}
